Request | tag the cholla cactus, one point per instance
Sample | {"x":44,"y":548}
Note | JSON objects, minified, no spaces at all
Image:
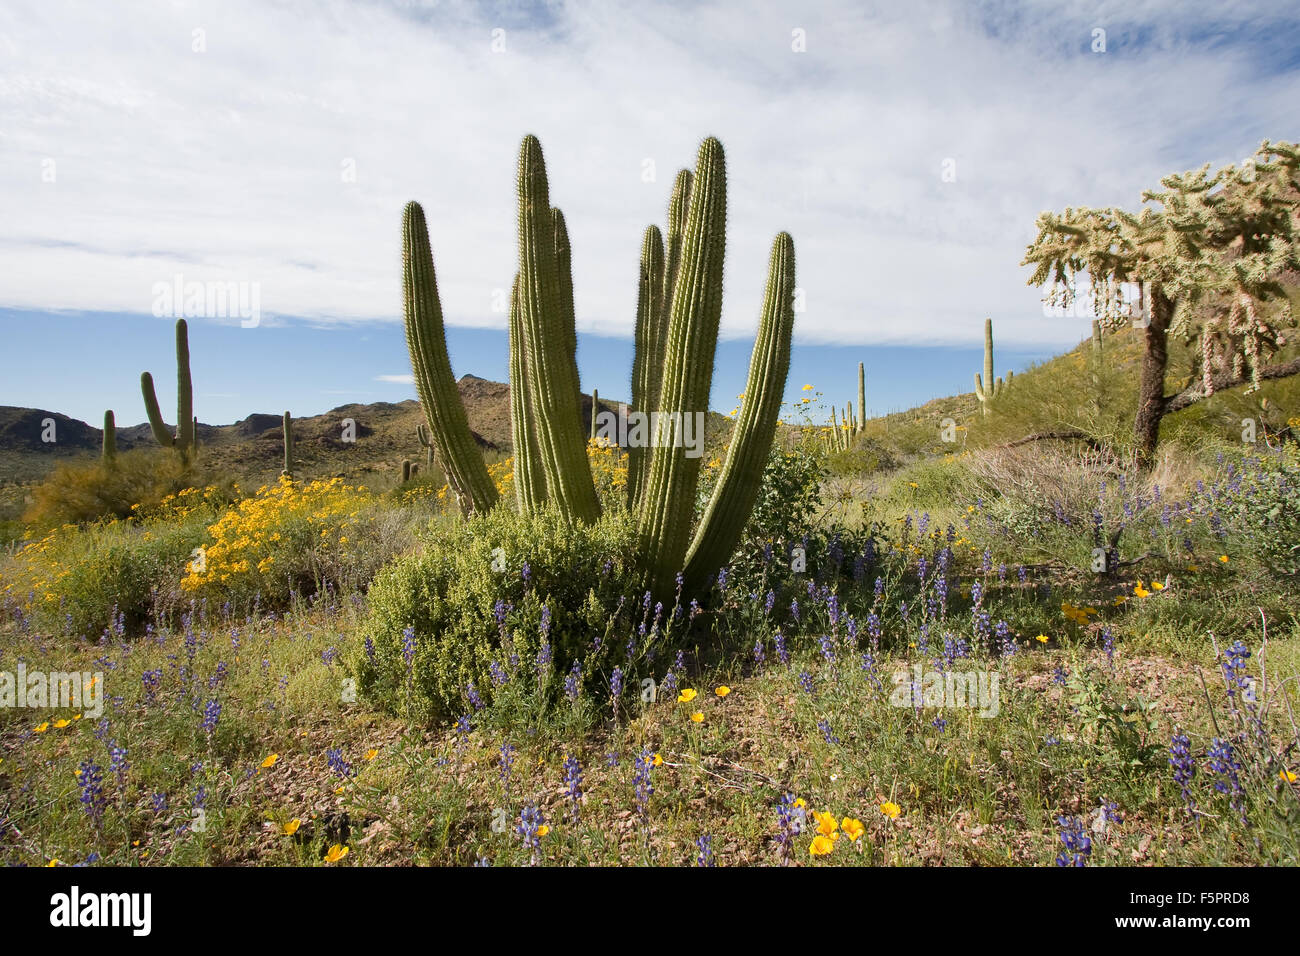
{"x":183,"y":441}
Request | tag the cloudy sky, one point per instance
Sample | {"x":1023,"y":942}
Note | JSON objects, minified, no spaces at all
{"x":907,"y":147}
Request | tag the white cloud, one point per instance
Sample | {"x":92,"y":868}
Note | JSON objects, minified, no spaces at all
{"x":228,"y":164}
{"x":407,"y":379}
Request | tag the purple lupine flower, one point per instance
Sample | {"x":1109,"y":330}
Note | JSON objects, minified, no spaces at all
{"x":475,"y":700}
{"x":1180,"y":758}
{"x":573,"y":785}
{"x":93,"y":800}
{"x":571,"y":681}
{"x":704,"y":844}
{"x":211,"y":714}
{"x":1078,"y":845}
{"x":768,"y":602}
{"x":499,"y":676}
{"x":781,"y":653}
{"x":825,"y":727}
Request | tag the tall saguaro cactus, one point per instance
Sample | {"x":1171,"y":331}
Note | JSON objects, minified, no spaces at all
{"x":986,"y":388}
{"x":183,"y":441}
{"x":288,"y":446}
{"x":109,"y":453}
{"x":862,"y":395}
{"x":530,"y":479}
{"x":439,"y":397}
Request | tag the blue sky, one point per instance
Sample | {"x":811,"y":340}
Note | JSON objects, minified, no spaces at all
{"x":273,"y":144}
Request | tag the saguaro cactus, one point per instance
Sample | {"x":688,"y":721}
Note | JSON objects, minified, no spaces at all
{"x":595,"y":410}
{"x":183,"y":441}
{"x":288,"y":446}
{"x":529,"y":478}
{"x":422,"y":435}
{"x":406,"y":470}
{"x":986,"y":388}
{"x":425,"y":340}
{"x":862,"y":395}
{"x":109,"y":453}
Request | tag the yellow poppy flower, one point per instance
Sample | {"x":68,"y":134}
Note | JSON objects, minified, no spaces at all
{"x":723,"y":691}
{"x":53,"y":862}
{"x":1287,"y":775}
{"x":658,"y":761}
{"x":890,"y":809}
{"x":1223,"y":558}
{"x":1042,"y":638}
{"x":42,"y":728}
{"x":800,"y":803}
{"x":1157,"y":586}
{"x":270,"y":761}
{"x":697,"y":717}
{"x":853,"y":829}
{"x":686,"y":696}
{"x":371,"y":755}
{"x":60,"y":724}
{"x":336,"y":853}
{"x":821,"y":845}
{"x":826,"y":824}
{"x":543,"y":830}
{"x":292,"y":826}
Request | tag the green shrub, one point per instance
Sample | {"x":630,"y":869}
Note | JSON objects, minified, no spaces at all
{"x":1258,"y":504}
{"x":77,"y":492}
{"x":503,"y":563}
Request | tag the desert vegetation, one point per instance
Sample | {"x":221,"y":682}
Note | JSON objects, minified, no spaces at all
{"x":1050,"y":622}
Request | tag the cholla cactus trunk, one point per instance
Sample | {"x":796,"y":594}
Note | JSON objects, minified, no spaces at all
{"x":529,"y":479}
{"x":183,"y":440}
{"x":448,"y":424}
{"x":551,"y":367}
{"x":648,"y":359}
{"x":737,"y":489}
{"x":109,"y":453}
{"x":862,"y":395}
{"x":669,"y":503}
{"x":986,"y":389}
{"x":287,"y":426}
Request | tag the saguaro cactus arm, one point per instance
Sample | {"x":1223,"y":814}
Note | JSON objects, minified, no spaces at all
{"x":434,"y":383}
{"x":161,"y":432}
{"x":737,"y":489}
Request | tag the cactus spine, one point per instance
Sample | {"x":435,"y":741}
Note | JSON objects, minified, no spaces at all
{"x":287,"y":426}
{"x":109,"y":453}
{"x":425,"y":340}
{"x":986,"y":388}
{"x":183,"y":441}
{"x":734,"y":495}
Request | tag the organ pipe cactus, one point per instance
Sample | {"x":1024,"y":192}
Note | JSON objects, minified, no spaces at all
{"x":183,"y":440}
{"x":440,"y":398}
{"x":678,"y":316}
{"x":109,"y":453}
{"x":288,"y":446}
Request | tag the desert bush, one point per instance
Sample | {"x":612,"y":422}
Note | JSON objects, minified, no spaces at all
{"x":136,"y":480}
{"x":293,"y":538}
{"x":499,"y":588}
{"x":80,"y":580}
{"x":1256,"y":504}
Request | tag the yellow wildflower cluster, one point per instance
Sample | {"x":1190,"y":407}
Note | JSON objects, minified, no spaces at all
{"x":829,"y":830}
{"x":1079,"y":615}
{"x":275,"y":528}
